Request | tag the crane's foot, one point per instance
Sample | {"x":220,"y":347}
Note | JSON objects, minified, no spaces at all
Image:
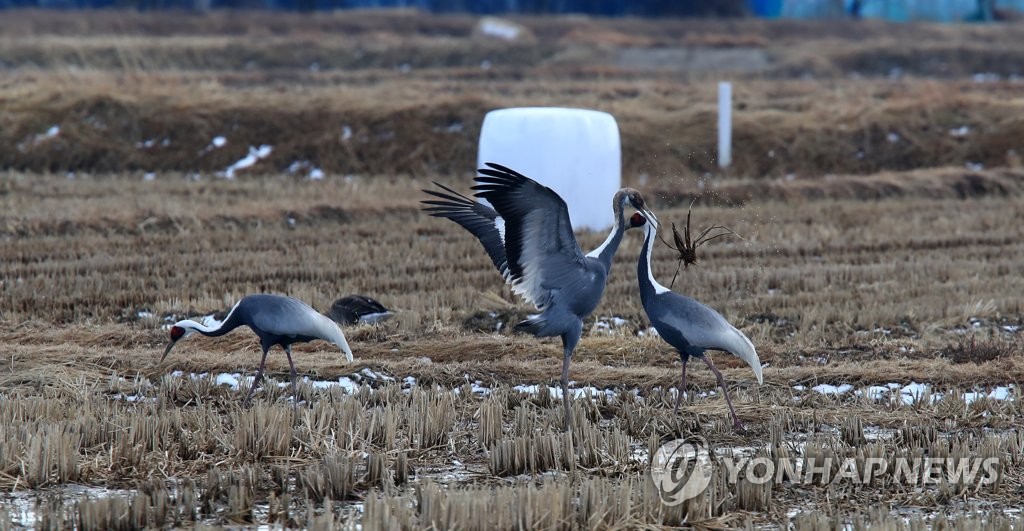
{"x":737,"y":426}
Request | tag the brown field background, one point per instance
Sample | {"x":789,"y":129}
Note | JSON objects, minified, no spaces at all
{"x":877,"y":185}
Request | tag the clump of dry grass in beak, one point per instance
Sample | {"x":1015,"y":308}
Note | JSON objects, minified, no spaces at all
{"x":687,"y":247}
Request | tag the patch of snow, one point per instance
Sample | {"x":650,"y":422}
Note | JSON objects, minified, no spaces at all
{"x":255,"y":155}
{"x":1001,"y":392}
{"x":49,"y":134}
{"x":346,"y":133}
{"x":144,"y":314}
{"x":485,"y":65}
{"x":228,"y":379}
{"x":875,"y":392}
{"x":314,"y":173}
{"x":493,"y":27}
{"x":653,"y":332}
{"x":211,"y":321}
{"x":454,"y":127}
{"x":913,"y":392}
{"x":960,"y":132}
{"x":368,"y":373}
{"x":344,"y":382}
{"x":149,"y":176}
{"x":556,"y":392}
{"x":974,"y":166}
{"x":475,"y":388}
{"x":875,"y":433}
{"x":827,"y":389}
{"x":606,"y":324}
{"x":132,"y":398}
{"x":892,"y":138}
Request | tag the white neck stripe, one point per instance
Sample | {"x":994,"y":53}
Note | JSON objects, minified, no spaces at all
{"x":658,"y":288}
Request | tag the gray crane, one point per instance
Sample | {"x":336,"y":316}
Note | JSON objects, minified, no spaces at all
{"x":277,"y":320}
{"x":529,"y":238}
{"x":686,"y":324}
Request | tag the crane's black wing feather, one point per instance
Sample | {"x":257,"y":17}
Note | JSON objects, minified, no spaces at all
{"x":479,"y":219}
{"x":540,"y":246}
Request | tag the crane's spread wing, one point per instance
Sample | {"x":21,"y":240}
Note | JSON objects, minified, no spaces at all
{"x":479,"y":219}
{"x":540,"y":247}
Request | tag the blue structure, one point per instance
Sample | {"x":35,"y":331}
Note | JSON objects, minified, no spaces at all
{"x":892,"y":10}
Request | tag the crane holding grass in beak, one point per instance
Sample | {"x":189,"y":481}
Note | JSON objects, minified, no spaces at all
{"x":686,"y":324}
{"x":277,"y":320}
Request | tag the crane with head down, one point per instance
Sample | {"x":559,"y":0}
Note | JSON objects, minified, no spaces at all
{"x":529,"y":238}
{"x":277,"y":320}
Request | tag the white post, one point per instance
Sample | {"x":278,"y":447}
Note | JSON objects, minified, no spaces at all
{"x":724,"y":124}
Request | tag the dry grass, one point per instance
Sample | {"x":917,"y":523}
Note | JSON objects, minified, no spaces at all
{"x":826,"y":289}
{"x":870,"y":256}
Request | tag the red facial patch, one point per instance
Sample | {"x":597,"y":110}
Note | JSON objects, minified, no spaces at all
{"x":637,"y":220}
{"x":177,"y":332}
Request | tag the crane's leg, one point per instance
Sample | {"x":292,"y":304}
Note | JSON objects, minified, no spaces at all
{"x":295,"y":388}
{"x":736,"y":424}
{"x":682,"y":383}
{"x":259,"y":375}
{"x":569,"y":341}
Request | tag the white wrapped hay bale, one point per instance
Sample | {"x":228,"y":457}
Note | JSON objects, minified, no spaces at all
{"x":575,"y":152}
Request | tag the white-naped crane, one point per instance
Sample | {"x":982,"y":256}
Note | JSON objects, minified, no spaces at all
{"x":529,"y":238}
{"x":358,"y":309}
{"x":687,"y":324}
{"x":277,"y":320}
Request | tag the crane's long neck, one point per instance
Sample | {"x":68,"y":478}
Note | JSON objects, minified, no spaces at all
{"x":649,"y":287}
{"x":229,"y":323}
{"x":606,"y":251}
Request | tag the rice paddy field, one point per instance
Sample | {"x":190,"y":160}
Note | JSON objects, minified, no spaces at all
{"x":161,"y":166}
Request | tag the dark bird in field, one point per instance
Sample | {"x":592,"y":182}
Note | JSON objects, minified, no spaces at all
{"x":530,"y":240}
{"x":277,"y":320}
{"x":686,"y":324}
{"x":356,"y":309}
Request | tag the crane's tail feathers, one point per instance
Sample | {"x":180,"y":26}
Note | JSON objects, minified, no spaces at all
{"x":744,"y":350}
{"x":538,"y":325}
{"x":339,"y":339}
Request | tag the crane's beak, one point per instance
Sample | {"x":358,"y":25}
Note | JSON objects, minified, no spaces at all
{"x":168,"y":349}
{"x":651,"y":218}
